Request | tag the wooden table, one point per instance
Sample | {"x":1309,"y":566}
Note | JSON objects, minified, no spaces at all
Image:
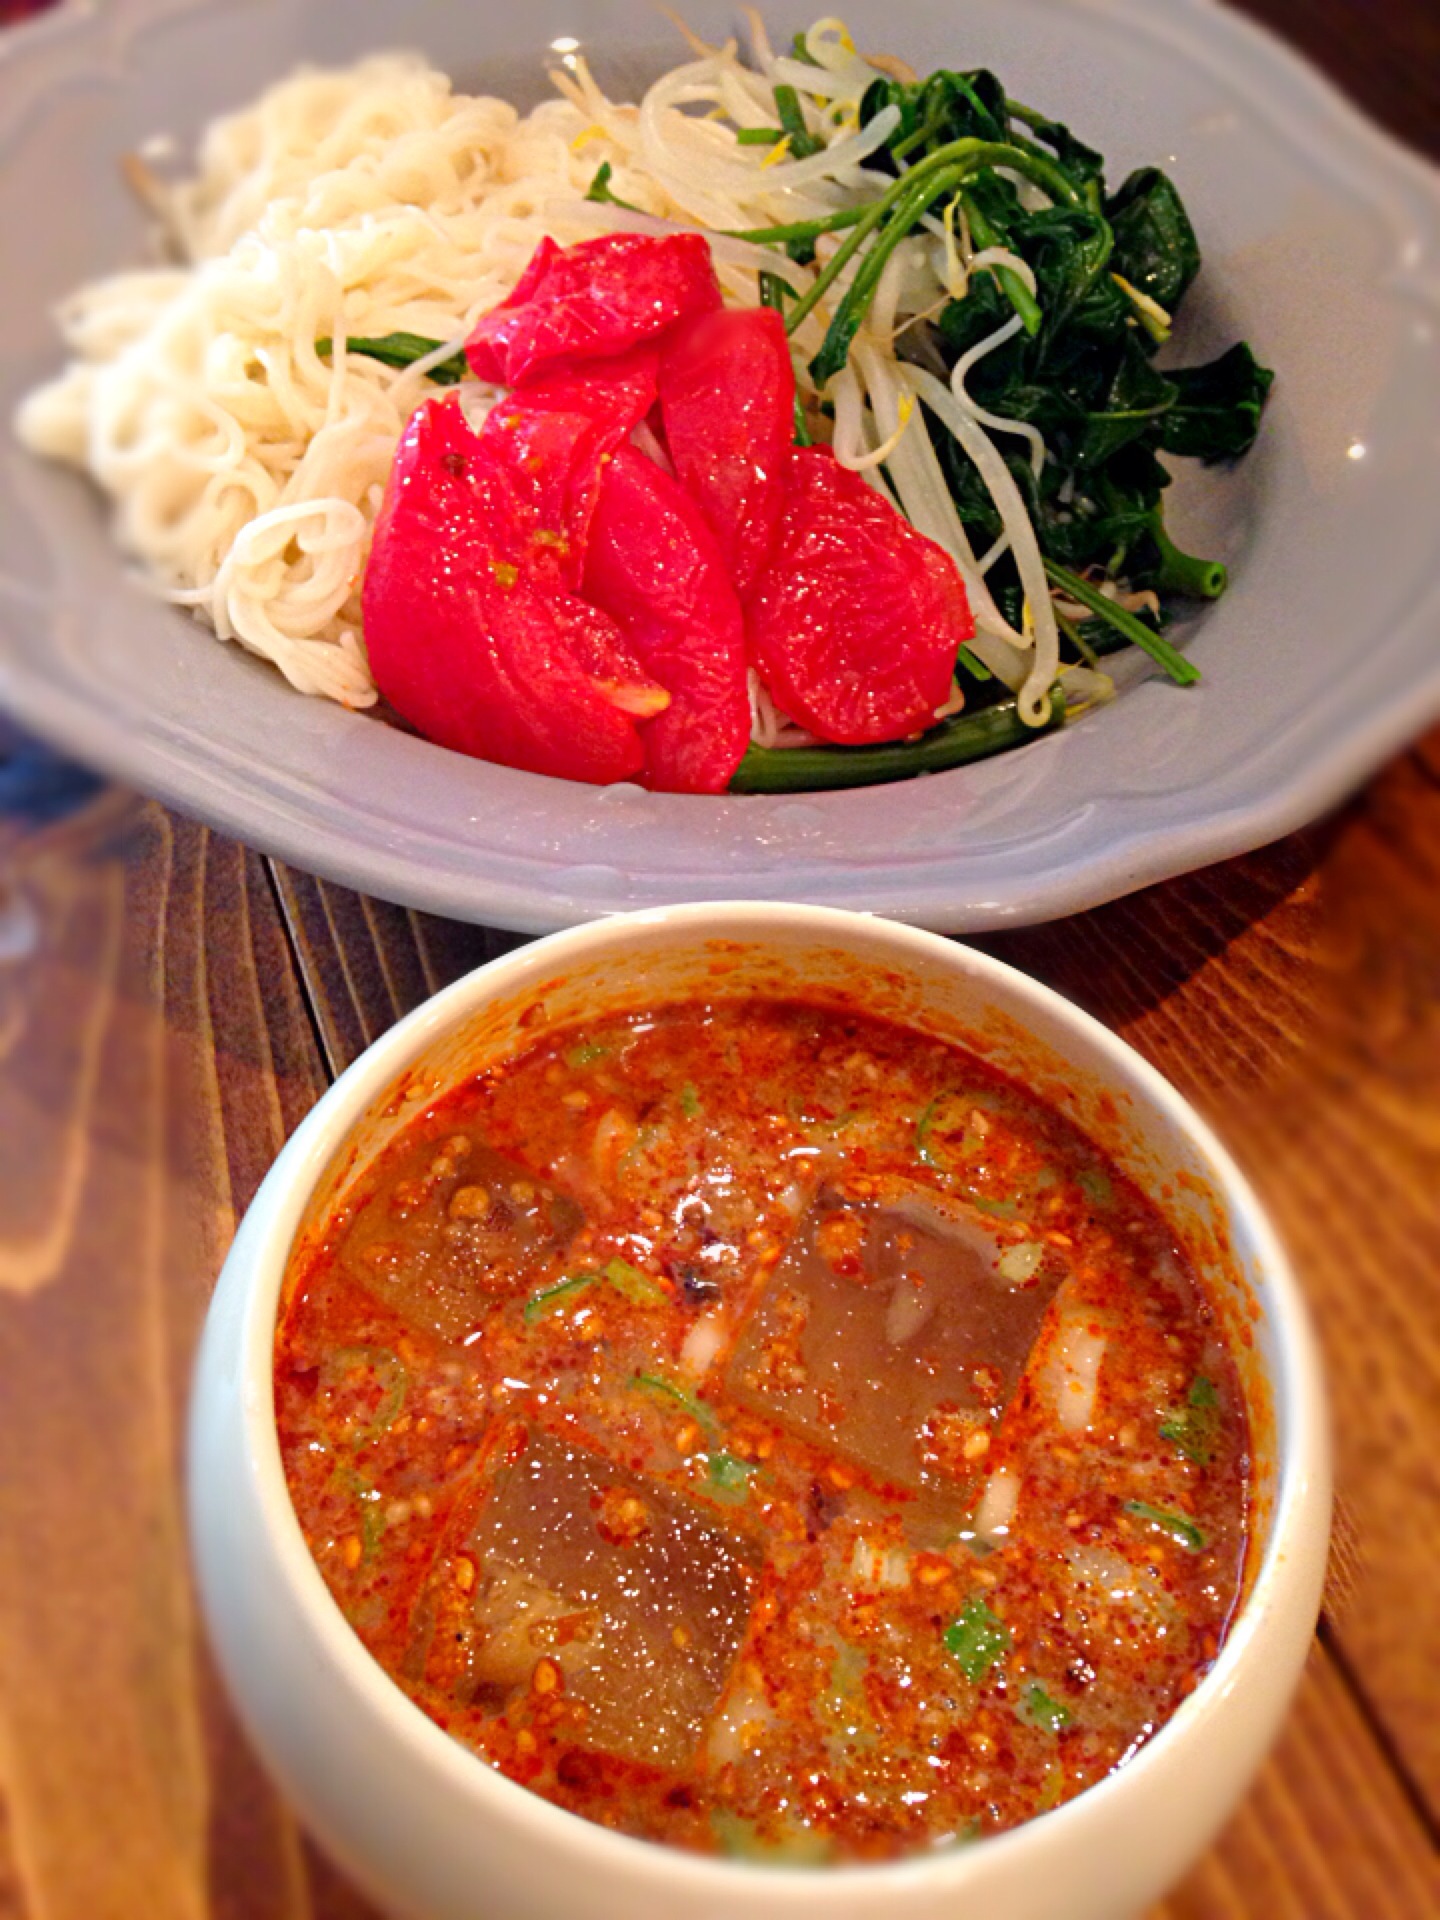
{"x":170,"y":1006}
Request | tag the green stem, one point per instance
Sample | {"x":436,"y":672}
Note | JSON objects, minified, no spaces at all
{"x":958,"y":158}
{"x":402,"y":350}
{"x":1180,"y":670}
{"x":1092,"y":195}
{"x":599,"y":190}
{"x":774,"y":292}
{"x":798,"y":229}
{"x":1011,"y":285}
{"x":870,"y":218}
{"x":1028,"y":116}
{"x":791,"y":116}
{"x":1077,"y":639}
{"x":1184,"y":572}
{"x":954,"y":743}
{"x":835,"y":347}
{"x":918,"y":138}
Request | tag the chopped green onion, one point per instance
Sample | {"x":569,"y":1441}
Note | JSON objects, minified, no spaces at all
{"x":668,"y":1389}
{"x":925,"y":1126}
{"x":394,"y":1378}
{"x":585,"y":1053}
{"x":977,"y":1639}
{"x":372,"y":1514}
{"x":1195,"y":1427}
{"x":641,"y":1288}
{"x":996,"y":1209}
{"x":1096,"y":1186}
{"x":690,"y":1102}
{"x":1179,"y":1526}
{"x":758,"y":136}
{"x":728,"y":1477}
{"x":1038,"y":1709}
{"x":559,"y":1295}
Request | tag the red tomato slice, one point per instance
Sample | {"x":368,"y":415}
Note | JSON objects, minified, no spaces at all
{"x":856,"y":622}
{"x":727,"y":394}
{"x":587,"y":302}
{"x":654,"y":567}
{"x":605,"y":657}
{"x":544,"y":449}
{"x":469,"y":641}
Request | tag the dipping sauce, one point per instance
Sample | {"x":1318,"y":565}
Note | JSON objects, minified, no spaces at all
{"x":763,"y":1428}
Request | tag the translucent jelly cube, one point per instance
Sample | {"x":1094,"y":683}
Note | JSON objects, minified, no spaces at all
{"x":896,"y":1331}
{"x":456,"y":1229}
{"x":637,"y":1600}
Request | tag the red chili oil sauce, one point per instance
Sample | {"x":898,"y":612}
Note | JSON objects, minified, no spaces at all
{"x":767,"y":1429}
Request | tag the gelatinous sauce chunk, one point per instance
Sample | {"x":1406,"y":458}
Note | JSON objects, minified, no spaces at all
{"x":763,"y":1428}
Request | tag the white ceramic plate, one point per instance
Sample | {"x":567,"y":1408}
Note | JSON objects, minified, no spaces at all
{"x":1321,"y":241}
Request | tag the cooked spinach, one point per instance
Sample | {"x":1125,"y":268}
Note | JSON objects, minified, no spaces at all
{"x":1110,"y":270}
{"x":1194,"y":1427}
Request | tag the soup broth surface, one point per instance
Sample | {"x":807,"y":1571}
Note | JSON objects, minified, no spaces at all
{"x":764,"y":1428}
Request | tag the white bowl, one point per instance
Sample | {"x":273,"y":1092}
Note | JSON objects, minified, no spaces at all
{"x":434,"y":1832}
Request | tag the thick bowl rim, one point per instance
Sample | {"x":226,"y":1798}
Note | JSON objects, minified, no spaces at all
{"x":266,"y":1240}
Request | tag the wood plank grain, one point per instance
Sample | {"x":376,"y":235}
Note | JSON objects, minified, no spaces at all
{"x":1295,"y":997}
{"x":1324,"y":1834}
{"x":154,"y":1052}
{"x":162,"y":960}
{"x":366,"y":962}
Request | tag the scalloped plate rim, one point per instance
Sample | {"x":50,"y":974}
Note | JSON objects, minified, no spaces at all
{"x":1133,"y":855}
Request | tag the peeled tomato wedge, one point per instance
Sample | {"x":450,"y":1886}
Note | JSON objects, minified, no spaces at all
{"x":590,"y":301}
{"x":654,"y":567}
{"x":472,"y":645}
{"x":727,"y":397}
{"x":856,"y":622}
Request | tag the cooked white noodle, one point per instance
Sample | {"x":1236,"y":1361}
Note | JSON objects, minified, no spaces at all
{"x":245,"y":470}
{"x":245,"y":467}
